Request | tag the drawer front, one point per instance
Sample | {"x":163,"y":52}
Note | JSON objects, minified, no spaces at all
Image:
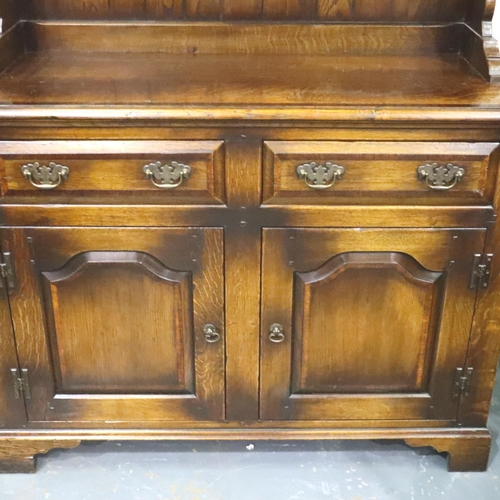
{"x":340,"y":173}
{"x":171,"y":172}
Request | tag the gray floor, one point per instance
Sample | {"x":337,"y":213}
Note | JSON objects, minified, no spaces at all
{"x":359,"y":470}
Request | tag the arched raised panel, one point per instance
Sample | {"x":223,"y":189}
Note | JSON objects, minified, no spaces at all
{"x":365,"y":322}
{"x":120,"y":322}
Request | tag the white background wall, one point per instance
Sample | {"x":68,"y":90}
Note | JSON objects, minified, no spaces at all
{"x":496,"y":22}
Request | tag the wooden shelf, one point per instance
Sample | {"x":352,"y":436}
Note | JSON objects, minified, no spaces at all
{"x":243,"y":71}
{"x":62,"y":78}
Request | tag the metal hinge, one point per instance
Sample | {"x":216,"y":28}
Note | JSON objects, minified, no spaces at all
{"x":481,"y":270}
{"x":462,"y":381}
{"x":21,"y":383}
{"x":7,"y":271}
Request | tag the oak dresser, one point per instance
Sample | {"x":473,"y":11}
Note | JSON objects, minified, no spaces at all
{"x":248,"y":219}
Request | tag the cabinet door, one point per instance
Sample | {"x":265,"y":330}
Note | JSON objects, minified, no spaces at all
{"x":111,"y":322}
{"x":369,"y":324}
{"x":12,"y":410}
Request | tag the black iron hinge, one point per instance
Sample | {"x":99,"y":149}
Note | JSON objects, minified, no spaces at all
{"x":21,"y":383}
{"x":481,"y":270}
{"x":7,"y":272}
{"x":462,"y":381}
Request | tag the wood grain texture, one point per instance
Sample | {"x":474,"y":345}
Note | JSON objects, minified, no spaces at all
{"x":100,"y":170}
{"x":470,"y":446}
{"x":458,"y":117}
{"x":369,"y":280}
{"x":196,"y":251}
{"x":242,"y":263}
{"x":221,"y":81}
{"x":19,"y":455}
{"x":332,"y":10}
{"x":290,"y":9}
{"x":243,"y":38}
{"x":390,"y":10}
{"x":151,"y":216}
{"x":215,"y":83}
{"x":305,"y":250}
{"x":484,"y":346}
{"x":100,"y":302}
{"x":201,"y":9}
{"x":158,"y":426}
{"x":465,"y":454}
{"x":12,"y":410}
{"x":332,"y":353}
{"x":378,"y":172}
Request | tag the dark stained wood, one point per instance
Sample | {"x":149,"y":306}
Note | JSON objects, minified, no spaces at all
{"x":10,"y":13}
{"x":479,"y":16}
{"x":337,"y":10}
{"x":388,"y":10}
{"x":116,"y":279}
{"x":290,"y":9}
{"x":484,"y":346}
{"x":242,"y":263}
{"x":12,"y":410}
{"x":159,"y":426}
{"x":21,"y":446}
{"x":113,"y":170}
{"x":230,"y":80}
{"x":200,"y":9}
{"x":244,"y":38}
{"x":11,"y":46}
{"x":19,"y":455}
{"x":150,"y":362}
{"x":316,"y":372}
{"x":468,"y":454}
{"x":332,"y":352}
{"x":95,"y":284}
{"x":150,"y":216}
{"x":258,"y":430}
{"x":378,"y":172}
{"x":151,"y":9}
{"x":479,"y":46}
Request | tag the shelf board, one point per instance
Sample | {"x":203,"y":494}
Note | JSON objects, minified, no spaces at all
{"x":156,"y":85}
{"x":257,"y":79}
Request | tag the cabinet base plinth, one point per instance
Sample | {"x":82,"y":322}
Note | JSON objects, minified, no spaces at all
{"x":19,"y":455}
{"x":468,"y":449}
{"x":465,"y":453}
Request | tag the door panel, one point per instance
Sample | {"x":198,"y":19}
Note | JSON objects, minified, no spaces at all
{"x":375,"y":322}
{"x":155,"y":300}
{"x":363,"y":286}
{"x":124,"y":312}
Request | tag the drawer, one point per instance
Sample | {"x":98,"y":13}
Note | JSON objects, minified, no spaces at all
{"x":331,"y":173}
{"x":175,"y":172}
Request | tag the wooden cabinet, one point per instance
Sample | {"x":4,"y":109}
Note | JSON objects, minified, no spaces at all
{"x":283,"y":227}
{"x":125,"y":330}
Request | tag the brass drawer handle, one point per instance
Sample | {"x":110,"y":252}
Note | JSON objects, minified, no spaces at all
{"x":439,"y":176}
{"x":276,"y":334}
{"x":43,"y":176}
{"x":318,"y":176}
{"x":211,"y":334}
{"x":167,"y":176}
